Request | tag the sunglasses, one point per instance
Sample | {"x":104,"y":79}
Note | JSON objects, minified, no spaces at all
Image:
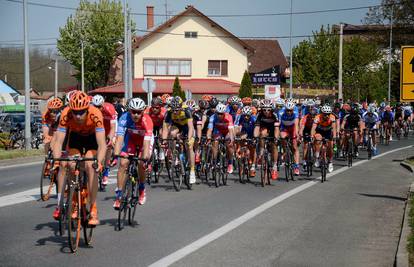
{"x":267,"y":110}
{"x":136,"y":112}
{"x":220,"y":113}
{"x":53,"y":111}
{"x":79,"y":112}
{"x":289,"y":110}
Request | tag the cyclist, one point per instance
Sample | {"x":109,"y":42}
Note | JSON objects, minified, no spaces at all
{"x":352,"y":122}
{"x":179,"y":122}
{"x":324,"y":126}
{"x":110,"y":120}
{"x":244,"y":127}
{"x":234,"y":107}
{"x":387,"y":121}
{"x":135,"y":130}
{"x":408,"y":114}
{"x":267,"y":125}
{"x":306,"y":124}
{"x":371,"y":121}
{"x":157,"y":114}
{"x":85,"y":126}
{"x":279,"y":104}
{"x":289,"y":127}
{"x":221,"y":125}
{"x":398,"y":116}
{"x":50,"y":121}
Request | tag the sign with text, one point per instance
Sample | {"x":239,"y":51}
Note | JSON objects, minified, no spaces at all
{"x":272,"y":91}
{"x":407,"y":73}
{"x":269,"y":76}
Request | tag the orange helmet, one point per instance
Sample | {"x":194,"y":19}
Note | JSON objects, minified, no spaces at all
{"x":55,"y":103}
{"x":346,"y":107}
{"x":206,"y":97}
{"x":164,"y":98}
{"x":79,"y":101}
{"x":247,"y":101}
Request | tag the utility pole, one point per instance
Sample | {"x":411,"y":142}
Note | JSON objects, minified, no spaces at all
{"x":5,"y":78}
{"x":341,"y":33}
{"x":56,"y":77}
{"x":390,"y":57}
{"x":126,"y":89}
{"x":82,"y":67}
{"x":27,"y":132}
{"x":291,"y":56}
{"x":130,"y":59}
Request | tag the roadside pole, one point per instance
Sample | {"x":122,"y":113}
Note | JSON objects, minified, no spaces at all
{"x":27,"y":132}
{"x":341,"y":33}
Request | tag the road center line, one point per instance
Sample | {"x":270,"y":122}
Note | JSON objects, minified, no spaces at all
{"x":201,"y":242}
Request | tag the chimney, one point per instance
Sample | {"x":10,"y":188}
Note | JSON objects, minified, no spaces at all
{"x":150,"y":17}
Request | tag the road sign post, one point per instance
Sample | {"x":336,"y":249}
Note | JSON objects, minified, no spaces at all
{"x":148,"y":85}
{"x":407,"y":74}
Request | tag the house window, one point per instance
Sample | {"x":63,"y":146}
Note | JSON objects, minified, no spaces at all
{"x":190,"y":34}
{"x":217,"y":67}
{"x":167,"y":67}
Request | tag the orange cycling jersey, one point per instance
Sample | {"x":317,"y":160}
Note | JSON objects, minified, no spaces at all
{"x":93,"y":122}
{"x":324,"y":122}
{"x":48,"y":121}
{"x":254,"y":111}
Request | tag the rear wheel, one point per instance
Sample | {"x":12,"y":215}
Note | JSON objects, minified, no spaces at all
{"x":87,"y":230}
{"x":74,"y":223}
{"x":176,"y":172}
{"x":223,"y":172}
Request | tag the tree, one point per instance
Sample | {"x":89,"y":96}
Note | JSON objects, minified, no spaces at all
{"x":245,"y":86}
{"x":100,"y":26}
{"x":177,"y":91}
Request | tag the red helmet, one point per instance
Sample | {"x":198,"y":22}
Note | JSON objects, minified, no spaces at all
{"x":55,"y":103}
{"x":164,"y":98}
{"x":247,"y":101}
{"x":79,"y":101}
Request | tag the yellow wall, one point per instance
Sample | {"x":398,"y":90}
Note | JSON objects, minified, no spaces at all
{"x":200,"y":49}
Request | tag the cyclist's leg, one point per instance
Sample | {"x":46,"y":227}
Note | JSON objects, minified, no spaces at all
{"x":92,"y":178}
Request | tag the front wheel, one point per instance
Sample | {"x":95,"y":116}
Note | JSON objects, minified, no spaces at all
{"x":47,"y":181}
{"x":124,"y":205}
{"x":74,"y":218}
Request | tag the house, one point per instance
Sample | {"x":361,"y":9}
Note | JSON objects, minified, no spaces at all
{"x":207,"y":58}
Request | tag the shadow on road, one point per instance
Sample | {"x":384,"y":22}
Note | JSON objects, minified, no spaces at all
{"x":383,"y":196}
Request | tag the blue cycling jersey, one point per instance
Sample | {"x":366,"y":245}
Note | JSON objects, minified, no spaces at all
{"x":287,"y":120}
{"x":246,"y":124}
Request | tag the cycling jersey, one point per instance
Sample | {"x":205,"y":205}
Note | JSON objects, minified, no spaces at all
{"x":221,"y":127}
{"x":92,"y":124}
{"x":324,"y":123}
{"x":208,"y":114}
{"x":268,"y":123}
{"x":352,"y":121}
{"x":370,"y":121}
{"x":247,"y":125}
{"x":287,"y":120}
{"x":181,"y":119}
{"x":387,"y":116}
{"x":109,"y":116}
{"x":134,"y":132}
{"x":233,"y":112}
{"x":47,"y":121}
{"x":398,"y":113}
{"x":197,"y":120}
{"x":157,"y":119}
{"x":307,"y":123}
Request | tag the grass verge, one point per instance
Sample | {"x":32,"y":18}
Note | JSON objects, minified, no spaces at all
{"x":11,"y":154}
{"x":410,"y":241}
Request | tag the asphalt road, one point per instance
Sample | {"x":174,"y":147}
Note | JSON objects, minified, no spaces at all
{"x":353,"y":219}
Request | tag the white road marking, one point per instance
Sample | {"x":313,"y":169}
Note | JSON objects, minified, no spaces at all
{"x":9,"y":184}
{"x":201,"y":242}
{"x":30,"y":195}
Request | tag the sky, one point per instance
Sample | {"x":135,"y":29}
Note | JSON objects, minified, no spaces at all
{"x":44,"y":22}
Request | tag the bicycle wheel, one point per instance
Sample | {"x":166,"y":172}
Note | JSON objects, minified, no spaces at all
{"x":125,"y":204}
{"x":287,"y":165}
{"x":176,"y":173}
{"x":268,"y":169}
{"x":309,"y":161}
{"x":350,"y":151}
{"x":47,"y":179}
{"x":186,"y":174}
{"x":74,"y":218}
{"x":224,"y":174}
{"x":87,"y":230}
{"x":240,"y":169}
{"x":323,"y":170}
{"x":133,"y":203}
{"x":369,"y":147}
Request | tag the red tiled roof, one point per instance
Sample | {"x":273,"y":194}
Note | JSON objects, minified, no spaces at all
{"x":196,"y":86}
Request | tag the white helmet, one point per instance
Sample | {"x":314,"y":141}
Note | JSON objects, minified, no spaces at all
{"x":279,"y":101}
{"x":68,"y":95}
{"x":168,"y":100}
{"x":310,"y":103}
{"x":221,"y":108}
{"x":247,"y":110}
{"x":326,"y":109}
{"x":98,"y":100}
{"x":136,"y":104}
{"x":191,"y":104}
{"x":289,"y":105}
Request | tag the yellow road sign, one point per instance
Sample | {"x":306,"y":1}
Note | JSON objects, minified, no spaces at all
{"x":407,"y":73}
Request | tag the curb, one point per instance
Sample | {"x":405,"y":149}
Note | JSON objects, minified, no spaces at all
{"x":401,"y":258}
{"x":18,"y":161}
{"x":408,"y":166}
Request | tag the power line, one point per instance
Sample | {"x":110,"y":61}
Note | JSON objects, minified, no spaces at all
{"x":36,"y":39}
{"x":218,"y":15}
{"x":32,"y":70}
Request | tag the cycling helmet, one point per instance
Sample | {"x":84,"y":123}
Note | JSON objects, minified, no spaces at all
{"x":266,"y":103}
{"x":326,"y":109}
{"x":355,"y":109}
{"x":98,"y":100}
{"x":346,"y":107}
{"x":55,"y":103}
{"x":203,"y":104}
{"x":310,"y":103}
{"x":191,"y":104}
{"x":247,"y":110}
{"x":371,"y":109}
{"x":255,"y":103}
{"x":289,"y":105}
{"x":157,"y":102}
{"x":383,"y":105}
{"x":206,"y":97}
{"x":136,"y":104}
{"x":221,"y":108}
{"x":234,"y":100}
{"x":168,"y":101}
{"x":388,"y":108}
{"x":176,"y":102}
{"x":247,"y":101}
{"x":213,"y":102}
{"x":164,"y":98}
{"x":79,"y":101}
{"x":279,"y":102}
{"x":69,"y":94}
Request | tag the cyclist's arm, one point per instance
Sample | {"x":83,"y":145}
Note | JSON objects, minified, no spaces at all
{"x":118,"y":144}
{"x":190,"y":129}
{"x":277,"y":130}
{"x":199,"y":130}
{"x":297,"y":126}
{"x":313,"y":130}
{"x":57,"y":146}
{"x":256,"y":131}
{"x":101,"y":152}
{"x":111,"y":134}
